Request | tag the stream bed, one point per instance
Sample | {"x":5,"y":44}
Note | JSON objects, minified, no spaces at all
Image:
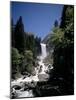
{"x":24,"y":86}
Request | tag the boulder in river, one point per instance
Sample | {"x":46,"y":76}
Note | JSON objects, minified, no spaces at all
{"x":16,"y":87}
{"x":43,"y":77}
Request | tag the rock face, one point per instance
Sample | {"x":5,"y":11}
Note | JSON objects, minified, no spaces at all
{"x":43,"y":77}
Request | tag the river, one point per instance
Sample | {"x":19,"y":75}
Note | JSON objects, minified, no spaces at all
{"x":42,"y":74}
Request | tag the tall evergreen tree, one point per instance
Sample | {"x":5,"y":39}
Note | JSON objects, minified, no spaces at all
{"x":19,"y":35}
{"x":67,"y":21}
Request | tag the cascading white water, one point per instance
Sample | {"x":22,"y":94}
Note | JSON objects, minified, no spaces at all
{"x":43,"y":50}
{"x":43,"y":55}
{"x":42,"y":74}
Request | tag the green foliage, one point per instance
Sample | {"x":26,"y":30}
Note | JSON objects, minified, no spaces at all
{"x":63,"y":41}
{"x":30,"y":42}
{"x":69,"y":27}
{"x":15,"y":56}
{"x":16,"y":60}
{"x":33,"y":43}
{"x":30,"y":68}
{"x":28,"y":61}
{"x":64,"y":49}
{"x":57,"y":37}
{"x":24,"y":40}
{"x":28,"y":55}
{"x":25,"y":49}
{"x":67,"y":21}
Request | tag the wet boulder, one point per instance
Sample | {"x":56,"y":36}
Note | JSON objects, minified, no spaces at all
{"x":43,"y":77}
{"x":13,"y":93}
{"x":16,"y":87}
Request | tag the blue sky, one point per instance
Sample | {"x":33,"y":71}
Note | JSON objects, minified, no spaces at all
{"x":37,"y":18}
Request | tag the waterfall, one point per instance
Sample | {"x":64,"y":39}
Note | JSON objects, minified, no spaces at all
{"x":43,"y":49}
{"x":41,"y":75}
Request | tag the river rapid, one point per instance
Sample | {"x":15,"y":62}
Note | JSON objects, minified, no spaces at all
{"x":22,"y":87}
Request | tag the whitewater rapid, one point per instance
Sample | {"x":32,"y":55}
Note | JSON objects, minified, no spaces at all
{"x":40,"y":75}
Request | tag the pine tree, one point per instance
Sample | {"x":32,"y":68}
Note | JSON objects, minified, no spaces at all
{"x":19,"y":35}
